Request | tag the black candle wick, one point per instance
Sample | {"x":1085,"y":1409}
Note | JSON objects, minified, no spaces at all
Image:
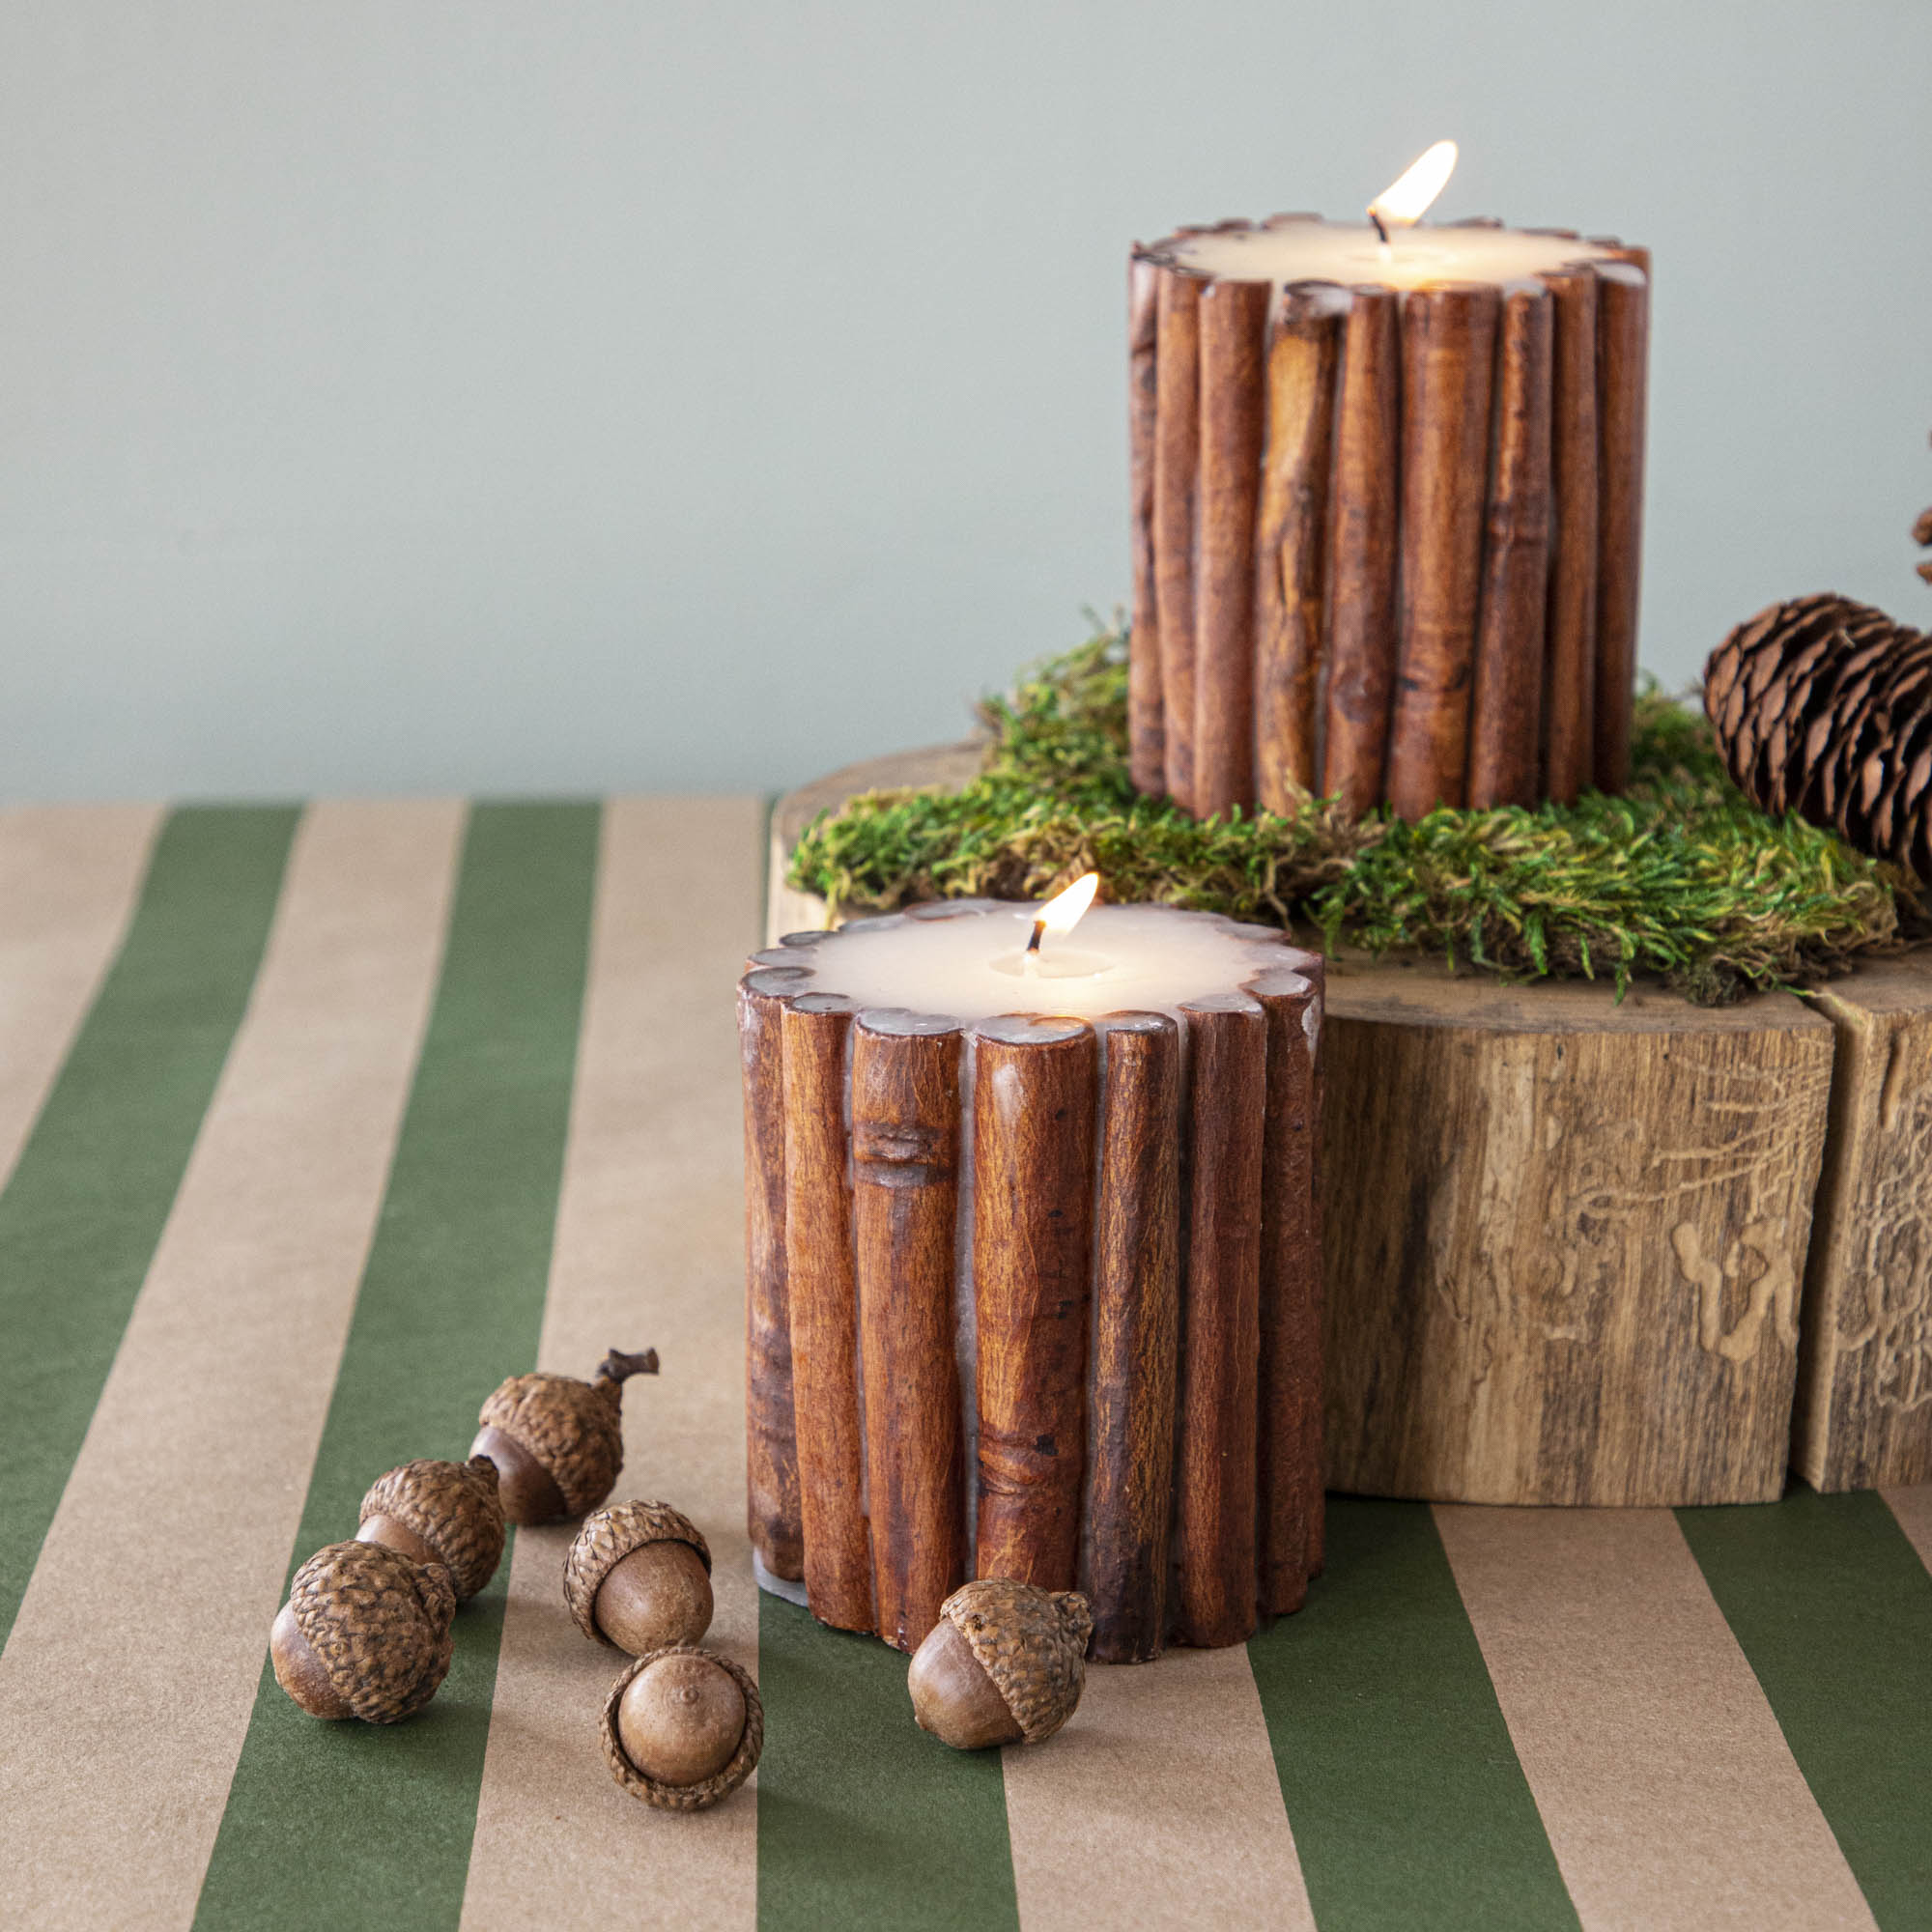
{"x":1038,"y":933}
{"x":1382,"y":227}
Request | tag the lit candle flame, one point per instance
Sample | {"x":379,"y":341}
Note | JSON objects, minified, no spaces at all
{"x":1407,"y":199}
{"x":1064,"y":910}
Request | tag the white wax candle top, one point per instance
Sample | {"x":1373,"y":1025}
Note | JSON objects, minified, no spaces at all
{"x":972,"y":963}
{"x":1351,"y":253}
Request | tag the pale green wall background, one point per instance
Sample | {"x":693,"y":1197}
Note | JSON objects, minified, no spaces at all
{"x":405,"y":396}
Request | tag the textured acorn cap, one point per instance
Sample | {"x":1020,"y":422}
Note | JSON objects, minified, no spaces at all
{"x":607,"y":1538}
{"x":574,"y":1429}
{"x":683,"y":1797}
{"x":378,"y":1625}
{"x":1031,"y":1642}
{"x":453,"y":1507}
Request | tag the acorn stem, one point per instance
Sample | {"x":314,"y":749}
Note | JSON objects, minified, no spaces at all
{"x":616,"y":1368}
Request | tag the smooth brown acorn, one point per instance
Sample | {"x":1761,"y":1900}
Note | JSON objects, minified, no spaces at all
{"x":1005,"y":1663}
{"x":558,"y":1443}
{"x":447,"y":1513}
{"x":365,"y":1632}
{"x":639,"y":1576}
{"x":682,"y":1728}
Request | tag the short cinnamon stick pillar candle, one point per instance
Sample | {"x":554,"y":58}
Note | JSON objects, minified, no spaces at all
{"x":1387,"y":513}
{"x":1038,"y":1224}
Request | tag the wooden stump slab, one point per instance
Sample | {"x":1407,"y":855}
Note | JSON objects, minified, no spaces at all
{"x":1864,"y":1398}
{"x":1566,"y":1237}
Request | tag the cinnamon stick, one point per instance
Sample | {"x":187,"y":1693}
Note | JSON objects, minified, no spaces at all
{"x":1506,"y":709}
{"x":1303,"y":356}
{"x":1448,"y":338}
{"x":1136,"y":1329}
{"x":1217,"y":1506}
{"x":1177,"y":455}
{"x":1289,"y":1449}
{"x":1570,"y":650}
{"x":824,"y":1311}
{"x":1146,"y":711}
{"x":1622,"y":355}
{"x":1032,"y":1186}
{"x":905,"y":1206}
{"x":1232,"y":325}
{"x":1362,"y":551}
{"x":771,"y":1445}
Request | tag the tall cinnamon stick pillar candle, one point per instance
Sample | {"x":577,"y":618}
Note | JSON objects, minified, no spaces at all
{"x":1034,"y":1265}
{"x":1387,"y":501}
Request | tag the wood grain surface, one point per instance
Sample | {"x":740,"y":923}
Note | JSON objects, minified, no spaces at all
{"x":1234,"y":402}
{"x":1304,"y":354}
{"x":1564,"y":1239}
{"x":1136,"y":1336}
{"x":905,"y":1207}
{"x":1864,"y":1398}
{"x":771,"y":1437}
{"x":1033,"y":1204}
{"x":819,"y":1275}
{"x":1146,"y":705}
{"x":1177,"y":459}
{"x":1363,"y":525}
{"x":1570,"y":672}
{"x":1448,"y":356}
{"x":1506,"y":705}
{"x":1623,"y":363}
{"x":1215,"y":1512}
{"x":1288,"y":1456}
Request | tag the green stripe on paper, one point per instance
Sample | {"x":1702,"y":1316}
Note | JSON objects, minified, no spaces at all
{"x":350,"y":1824}
{"x":1833,"y":1611}
{"x":866,"y":1823}
{"x":1402,"y":1789}
{"x":87,"y":1202}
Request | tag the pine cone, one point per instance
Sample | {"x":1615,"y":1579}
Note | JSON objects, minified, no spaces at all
{"x":1922,"y":534}
{"x":1824,"y":707}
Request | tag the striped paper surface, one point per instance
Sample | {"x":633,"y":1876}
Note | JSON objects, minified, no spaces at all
{"x":315,"y":1123}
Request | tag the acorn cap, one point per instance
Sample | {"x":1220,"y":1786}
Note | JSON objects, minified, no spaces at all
{"x":378,"y":1625}
{"x":607,"y":1538}
{"x":453,"y":1507}
{"x":683,"y":1797}
{"x":1031,"y":1642}
{"x":574,"y":1429}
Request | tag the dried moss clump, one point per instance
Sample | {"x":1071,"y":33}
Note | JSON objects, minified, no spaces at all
{"x":1681,"y":877}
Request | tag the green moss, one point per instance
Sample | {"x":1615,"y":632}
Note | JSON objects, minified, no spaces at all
{"x":1680,"y":877}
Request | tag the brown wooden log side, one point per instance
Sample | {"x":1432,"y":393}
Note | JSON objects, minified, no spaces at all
{"x":771,"y":1444}
{"x":1564,"y":1238}
{"x":1363,"y":512}
{"x":1177,"y":457}
{"x":1145,"y":709}
{"x":1129,"y":1490}
{"x":1033,"y":1199}
{"x":1448,"y":341}
{"x":1234,"y":401}
{"x":1865,"y":1389}
{"x":1506,"y":708}
{"x":1570,"y":659}
{"x":1215,"y":1512}
{"x":1305,"y":354}
{"x":906,"y":1211}
{"x":1623,"y":357}
{"x":1289,"y":1427}
{"x":824,"y":1312}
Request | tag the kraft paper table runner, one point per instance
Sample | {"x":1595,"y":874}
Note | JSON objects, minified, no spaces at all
{"x":329,"y":1118}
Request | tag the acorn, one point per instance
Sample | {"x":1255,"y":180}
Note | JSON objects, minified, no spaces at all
{"x":364,"y":1633}
{"x":447,"y":1513}
{"x":639,"y":1576}
{"x":682,"y":1728}
{"x":1005,"y":1662}
{"x":558,"y":1443}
